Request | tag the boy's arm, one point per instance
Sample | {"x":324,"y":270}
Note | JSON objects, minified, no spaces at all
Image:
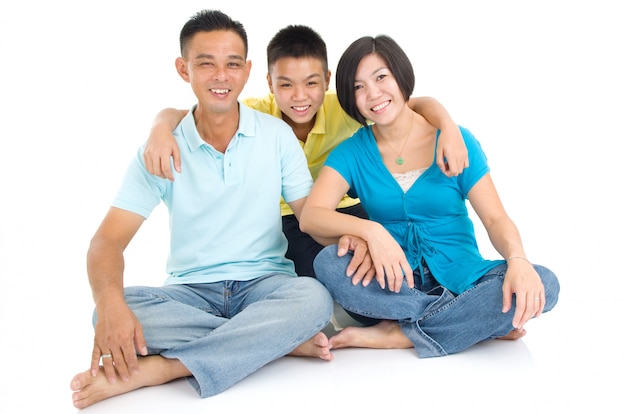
{"x":451,"y":144}
{"x":162,"y":145}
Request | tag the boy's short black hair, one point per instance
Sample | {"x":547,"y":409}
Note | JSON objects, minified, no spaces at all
{"x":297,"y":41}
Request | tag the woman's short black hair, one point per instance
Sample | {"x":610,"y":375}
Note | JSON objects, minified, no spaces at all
{"x":384,"y":46}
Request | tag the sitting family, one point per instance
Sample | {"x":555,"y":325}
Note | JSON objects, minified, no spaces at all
{"x":373,"y":187}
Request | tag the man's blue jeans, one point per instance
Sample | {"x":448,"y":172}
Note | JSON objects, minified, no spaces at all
{"x":223,"y":332}
{"x":436,"y":321}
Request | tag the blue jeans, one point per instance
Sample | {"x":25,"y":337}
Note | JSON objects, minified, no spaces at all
{"x":223,"y":332}
{"x":435,"y":320}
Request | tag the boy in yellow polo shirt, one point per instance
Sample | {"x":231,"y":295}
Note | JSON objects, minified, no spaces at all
{"x":298,"y":79}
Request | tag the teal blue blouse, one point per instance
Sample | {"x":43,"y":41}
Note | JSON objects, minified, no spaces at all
{"x":430,"y":221}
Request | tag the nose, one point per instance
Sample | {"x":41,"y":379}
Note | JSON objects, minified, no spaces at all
{"x":219,"y":74}
{"x":298,"y":93}
{"x":373,"y":92}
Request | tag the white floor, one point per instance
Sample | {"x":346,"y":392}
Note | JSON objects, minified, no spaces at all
{"x":540,"y":83}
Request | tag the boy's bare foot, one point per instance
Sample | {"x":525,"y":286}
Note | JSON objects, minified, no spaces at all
{"x":153,"y":370}
{"x":513,"y":335}
{"x":384,"y":335}
{"x":318,"y":347}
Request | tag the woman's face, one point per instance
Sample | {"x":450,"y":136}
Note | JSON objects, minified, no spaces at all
{"x":377,"y":94}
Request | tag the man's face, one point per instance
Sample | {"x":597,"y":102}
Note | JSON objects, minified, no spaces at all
{"x":215,"y":65}
{"x":298,"y":85}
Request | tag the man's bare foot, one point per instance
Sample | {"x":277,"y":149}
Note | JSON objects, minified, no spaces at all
{"x":384,"y":335}
{"x":318,"y":347}
{"x":153,"y":370}
{"x":513,"y":335}
{"x":89,"y":390}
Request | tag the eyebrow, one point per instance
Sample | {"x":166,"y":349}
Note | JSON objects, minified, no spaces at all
{"x":311,"y":76}
{"x":208,"y":56}
{"x":374,"y":72}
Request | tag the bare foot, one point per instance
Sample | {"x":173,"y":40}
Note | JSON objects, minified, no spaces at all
{"x":318,"y":347}
{"x":514,"y":334}
{"x":384,"y":335}
{"x":153,"y":370}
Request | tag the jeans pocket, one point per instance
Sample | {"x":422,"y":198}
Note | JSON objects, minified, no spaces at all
{"x":444,"y":300}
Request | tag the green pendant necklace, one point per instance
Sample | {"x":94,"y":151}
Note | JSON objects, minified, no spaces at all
{"x":399,"y":159}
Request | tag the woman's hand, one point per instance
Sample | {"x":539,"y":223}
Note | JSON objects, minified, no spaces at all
{"x":522,"y":279}
{"x":389,"y":260}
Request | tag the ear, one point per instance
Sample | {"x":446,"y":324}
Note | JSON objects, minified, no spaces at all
{"x":327,"y":79}
{"x":248,"y":69}
{"x":269,"y":83}
{"x":181,"y":68}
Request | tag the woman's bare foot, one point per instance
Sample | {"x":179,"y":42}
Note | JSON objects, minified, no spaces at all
{"x":514,"y":335}
{"x":153,"y":370}
{"x":318,"y":347}
{"x":384,"y":335}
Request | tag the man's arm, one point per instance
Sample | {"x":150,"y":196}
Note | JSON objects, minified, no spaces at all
{"x":162,"y":145}
{"x":118,"y":333}
{"x":451,"y":144}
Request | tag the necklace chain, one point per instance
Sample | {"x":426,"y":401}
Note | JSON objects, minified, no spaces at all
{"x":399,"y":159}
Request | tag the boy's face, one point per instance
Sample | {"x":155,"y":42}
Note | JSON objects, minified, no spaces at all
{"x":215,"y":65}
{"x":298,"y":85}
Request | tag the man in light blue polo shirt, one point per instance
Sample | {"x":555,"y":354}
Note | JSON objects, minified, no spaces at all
{"x":232,"y":302}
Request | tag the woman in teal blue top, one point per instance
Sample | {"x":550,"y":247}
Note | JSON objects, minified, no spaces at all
{"x":434,"y":292}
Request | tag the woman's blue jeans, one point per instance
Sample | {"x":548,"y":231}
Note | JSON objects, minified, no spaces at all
{"x":223,"y":332}
{"x":436,"y":321}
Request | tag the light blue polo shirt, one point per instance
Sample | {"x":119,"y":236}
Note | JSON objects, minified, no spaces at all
{"x":224,"y":208}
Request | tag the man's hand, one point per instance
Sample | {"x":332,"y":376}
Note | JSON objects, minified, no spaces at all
{"x":118,"y":339}
{"x":360,"y":268}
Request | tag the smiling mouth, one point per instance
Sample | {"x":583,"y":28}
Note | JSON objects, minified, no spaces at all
{"x":300,"y":108}
{"x":380,"y":106}
{"x":220,"y":91}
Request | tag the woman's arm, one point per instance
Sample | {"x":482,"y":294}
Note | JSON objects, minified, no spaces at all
{"x":521,"y":278}
{"x":162,"y":145}
{"x":319,"y":217}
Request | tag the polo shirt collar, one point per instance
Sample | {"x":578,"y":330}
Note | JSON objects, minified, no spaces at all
{"x":190,"y":134}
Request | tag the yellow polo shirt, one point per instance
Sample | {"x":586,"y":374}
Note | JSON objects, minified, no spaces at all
{"x":332,"y":126}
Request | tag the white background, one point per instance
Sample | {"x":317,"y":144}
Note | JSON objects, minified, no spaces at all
{"x":540,"y":83}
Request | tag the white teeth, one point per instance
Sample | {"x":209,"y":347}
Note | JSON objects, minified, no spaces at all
{"x":381,"y":106}
{"x":300,"y":108}
{"x":220,"y":91}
